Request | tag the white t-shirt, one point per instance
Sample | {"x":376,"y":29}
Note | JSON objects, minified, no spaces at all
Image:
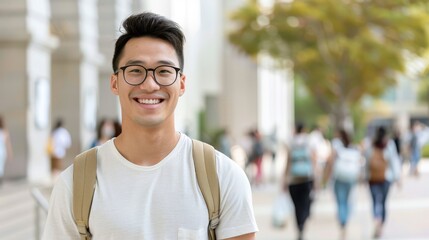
{"x":162,"y":201}
{"x":61,"y":141}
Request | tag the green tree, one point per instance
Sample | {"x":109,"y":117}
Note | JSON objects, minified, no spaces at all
{"x":305,"y":106}
{"x":342,"y":49}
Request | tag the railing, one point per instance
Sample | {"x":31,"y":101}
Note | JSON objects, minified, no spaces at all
{"x":41,"y":204}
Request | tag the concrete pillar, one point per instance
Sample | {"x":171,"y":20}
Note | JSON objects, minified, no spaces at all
{"x":240,"y":81}
{"x":111,"y":15}
{"x":275,"y":102}
{"x":25,"y":50}
{"x":75,"y":70}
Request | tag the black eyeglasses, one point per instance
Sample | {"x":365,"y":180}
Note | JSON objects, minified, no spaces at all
{"x":163,"y":75}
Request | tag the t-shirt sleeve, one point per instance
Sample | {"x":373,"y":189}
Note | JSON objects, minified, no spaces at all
{"x":236,"y":207}
{"x":59,"y":223}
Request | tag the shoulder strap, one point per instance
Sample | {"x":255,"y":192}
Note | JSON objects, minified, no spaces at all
{"x":205,"y":168}
{"x":84,"y":178}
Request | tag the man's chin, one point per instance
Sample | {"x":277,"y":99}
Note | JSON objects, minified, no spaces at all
{"x":149,"y":122}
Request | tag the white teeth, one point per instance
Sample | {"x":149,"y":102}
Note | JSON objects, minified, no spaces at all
{"x":149,"y":101}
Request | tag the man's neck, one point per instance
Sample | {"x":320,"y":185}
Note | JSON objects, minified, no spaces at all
{"x":146,"y":147}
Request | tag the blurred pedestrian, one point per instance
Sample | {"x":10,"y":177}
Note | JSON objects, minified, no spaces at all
{"x":106,"y":130}
{"x":256,"y":155}
{"x":6,"y":152}
{"x":270,"y":144}
{"x":419,"y":137}
{"x":299,"y":176}
{"x":383,"y":168}
{"x":225,"y":142}
{"x":398,"y":142}
{"x":344,"y":166}
{"x":60,"y":141}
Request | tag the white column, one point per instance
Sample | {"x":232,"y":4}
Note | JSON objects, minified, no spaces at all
{"x":25,"y":50}
{"x":275,"y":102}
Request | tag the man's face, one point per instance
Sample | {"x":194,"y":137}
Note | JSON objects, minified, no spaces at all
{"x":148,"y":104}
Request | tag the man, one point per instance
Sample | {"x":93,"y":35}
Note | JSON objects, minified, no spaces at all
{"x":146,"y":184}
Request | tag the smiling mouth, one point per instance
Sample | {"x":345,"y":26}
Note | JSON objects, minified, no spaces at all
{"x":148,"y":101}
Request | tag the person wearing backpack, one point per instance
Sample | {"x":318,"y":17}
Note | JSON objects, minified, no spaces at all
{"x":344,"y":167}
{"x":146,"y":183}
{"x":383,"y":169}
{"x":299,"y":176}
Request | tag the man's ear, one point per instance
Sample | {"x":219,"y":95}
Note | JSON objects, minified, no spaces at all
{"x":182,"y":84}
{"x":114,"y":84}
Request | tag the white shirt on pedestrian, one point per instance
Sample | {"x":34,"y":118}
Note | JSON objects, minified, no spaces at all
{"x":61,"y":141}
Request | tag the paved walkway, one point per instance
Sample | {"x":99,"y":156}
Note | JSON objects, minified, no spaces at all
{"x":408,"y":213}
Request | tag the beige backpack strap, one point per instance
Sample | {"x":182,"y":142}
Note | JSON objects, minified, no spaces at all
{"x":84,"y":178}
{"x":205,"y":168}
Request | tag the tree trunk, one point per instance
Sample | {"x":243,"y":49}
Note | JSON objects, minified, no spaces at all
{"x":342,"y":118}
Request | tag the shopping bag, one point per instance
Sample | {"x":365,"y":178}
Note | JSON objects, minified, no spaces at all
{"x":282,"y":208}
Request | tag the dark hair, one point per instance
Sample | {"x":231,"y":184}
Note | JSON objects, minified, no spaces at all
{"x":58,"y":124}
{"x":380,"y":138}
{"x":149,"y":24}
{"x":299,"y":127}
{"x":1,"y":122}
{"x":344,"y":136}
{"x":100,"y":127}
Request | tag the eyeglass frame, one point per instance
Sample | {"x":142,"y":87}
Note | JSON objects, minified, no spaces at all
{"x":178,"y":72}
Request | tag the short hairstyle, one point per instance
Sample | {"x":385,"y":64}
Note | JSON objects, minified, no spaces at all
{"x":149,"y":24}
{"x":299,"y":127}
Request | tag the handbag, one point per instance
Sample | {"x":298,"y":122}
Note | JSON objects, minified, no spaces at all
{"x":282,"y":208}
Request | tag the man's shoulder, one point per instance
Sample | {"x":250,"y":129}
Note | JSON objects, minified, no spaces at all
{"x":228,"y":168}
{"x":65,"y":179}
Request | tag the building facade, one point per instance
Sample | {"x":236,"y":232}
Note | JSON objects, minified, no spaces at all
{"x":55,"y":60}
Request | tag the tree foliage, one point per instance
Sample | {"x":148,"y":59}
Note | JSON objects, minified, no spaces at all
{"x":342,"y":49}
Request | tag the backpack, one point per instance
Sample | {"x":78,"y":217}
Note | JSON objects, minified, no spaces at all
{"x":84,"y":179}
{"x":301,"y":161}
{"x":347,"y":166}
{"x":377,"y":166}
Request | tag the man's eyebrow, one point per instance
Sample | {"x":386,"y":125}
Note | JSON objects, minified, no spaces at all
{"x":161,"y":62}
{"x":130,"y":62}
{"x":167,"y":62}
